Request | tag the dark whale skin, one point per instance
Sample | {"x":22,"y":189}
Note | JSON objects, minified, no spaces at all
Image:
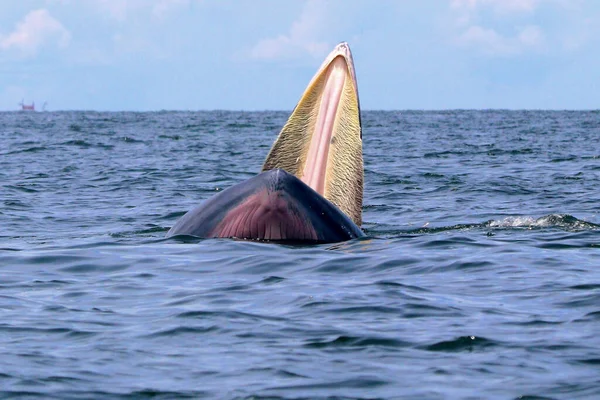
{"x":272,"y":206}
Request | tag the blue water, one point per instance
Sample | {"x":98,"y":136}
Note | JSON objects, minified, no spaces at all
{"x":480,"y":277}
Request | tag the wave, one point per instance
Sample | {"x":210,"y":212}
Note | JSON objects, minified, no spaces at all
{"x":564,"y":221}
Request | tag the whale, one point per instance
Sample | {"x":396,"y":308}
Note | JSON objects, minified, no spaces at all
{"x":272,"y":206}
{"x":310,"y":189}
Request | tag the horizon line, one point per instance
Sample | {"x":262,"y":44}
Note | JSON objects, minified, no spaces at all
{"x":290,"y":110}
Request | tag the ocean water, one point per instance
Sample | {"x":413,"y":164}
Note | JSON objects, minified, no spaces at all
{"x":480,"y":277}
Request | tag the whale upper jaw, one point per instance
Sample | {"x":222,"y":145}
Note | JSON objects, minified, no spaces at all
{"x":321,"y":143}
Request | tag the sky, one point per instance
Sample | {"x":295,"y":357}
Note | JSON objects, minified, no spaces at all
{"x":145,"y":55}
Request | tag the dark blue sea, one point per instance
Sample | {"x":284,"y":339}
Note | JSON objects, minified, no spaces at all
{"x":479,"y":279}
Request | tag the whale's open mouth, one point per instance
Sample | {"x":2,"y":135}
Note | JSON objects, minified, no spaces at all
{"x":321,"y":143}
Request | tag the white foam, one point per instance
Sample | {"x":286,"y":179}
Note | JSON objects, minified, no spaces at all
{"x":558,"y":220}
{"x":511,"y":222}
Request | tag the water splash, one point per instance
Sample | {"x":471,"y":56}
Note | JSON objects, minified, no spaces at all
{"x":564,"y":221}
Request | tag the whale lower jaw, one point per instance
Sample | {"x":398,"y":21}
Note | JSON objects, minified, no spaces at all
{"x":273,"y":206}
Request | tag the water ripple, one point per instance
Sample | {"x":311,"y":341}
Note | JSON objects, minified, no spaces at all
{"x":479,"y":277}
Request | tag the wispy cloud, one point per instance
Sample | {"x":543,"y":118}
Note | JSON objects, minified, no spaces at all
{"x":37,"y":29}
{"x":163,"y":7}
{"x":302,"y":38}
{"x":506,"y":34}
{"x":491,"y":42}
{"x":116,"y":9}
{"x":499,"y":6}
{"x":124,"y":10}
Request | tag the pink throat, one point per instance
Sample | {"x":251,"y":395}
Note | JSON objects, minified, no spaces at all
{"x":315,"y":167}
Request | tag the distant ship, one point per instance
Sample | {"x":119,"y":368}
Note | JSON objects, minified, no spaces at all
{"x":30,"y":107}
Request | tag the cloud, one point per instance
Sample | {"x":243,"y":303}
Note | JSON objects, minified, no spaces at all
{"x":492,"y":43}
{"x":499,"y":6}
{"x":501,"y":35}
{"x":531,"y":36}
{"x":115,"y":8}
{"x":162,"y":7}
{"x":122,"y":10}
{"x":37,"y":29}
{"x":301,"y":39}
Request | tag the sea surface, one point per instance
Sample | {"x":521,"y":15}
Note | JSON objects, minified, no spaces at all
{"x":479,"y":279}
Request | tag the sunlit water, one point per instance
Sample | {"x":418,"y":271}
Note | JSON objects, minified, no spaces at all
{"x":480,"y":277}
